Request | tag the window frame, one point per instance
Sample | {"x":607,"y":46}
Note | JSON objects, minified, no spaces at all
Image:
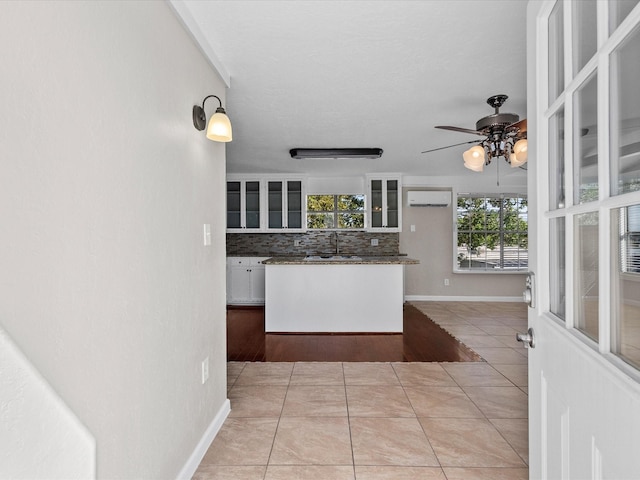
{"x":336,"y":212}
{"x":519,"y":270}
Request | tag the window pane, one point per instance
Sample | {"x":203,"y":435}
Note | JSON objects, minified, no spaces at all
{"x":618,"y":11}
{"x":320,"y":203}
{"x":556,"y":161}
{"x":275,"y":204}
{"x":233,"y":204}
{"x":351,"y":220}
{"x":392,"y":203}
{"x":586,"y":142}
{"x":294,"y":204}
{"x":586,"y":273}
{"x":584,"y":33}
{"x":557,"y":286}
{"x":625,"y":287}
{"x":376,"y":203}
{"x":252,"y":206}
{"x":351,"y":203}
{"x":625,"y":116}
{"x":320,"y":220}
{"x":556,"y":53}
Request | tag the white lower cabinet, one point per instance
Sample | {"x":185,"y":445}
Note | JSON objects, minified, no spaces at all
{"x":245,"y":280}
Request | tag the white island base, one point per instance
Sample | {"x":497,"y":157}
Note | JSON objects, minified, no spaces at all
{"x":334,"y":298}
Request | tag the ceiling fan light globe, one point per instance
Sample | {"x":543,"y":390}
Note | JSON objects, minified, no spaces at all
{"x":474,"y":157}
{"x":519,"y":155}
{"x":475,"y":168}
{"x":219,"y":129}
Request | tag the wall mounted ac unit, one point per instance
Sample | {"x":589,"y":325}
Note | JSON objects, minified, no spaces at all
{"x":423,"y":198}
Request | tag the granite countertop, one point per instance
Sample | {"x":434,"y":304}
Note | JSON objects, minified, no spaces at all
{"x":341,"y":260}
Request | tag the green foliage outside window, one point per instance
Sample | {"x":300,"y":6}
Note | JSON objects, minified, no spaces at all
{"x":335,"y":211}
{"x":492,"y":232}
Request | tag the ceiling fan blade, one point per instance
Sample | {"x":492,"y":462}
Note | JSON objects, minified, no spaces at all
{"x":459,"y":129}
{"x":521,"y":126}
{"x":449,"y":146}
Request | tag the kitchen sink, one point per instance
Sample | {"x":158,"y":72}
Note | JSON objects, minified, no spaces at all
{"x":332,"y":258}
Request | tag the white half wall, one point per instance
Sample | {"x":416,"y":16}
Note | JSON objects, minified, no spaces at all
{"x":105,"y":185}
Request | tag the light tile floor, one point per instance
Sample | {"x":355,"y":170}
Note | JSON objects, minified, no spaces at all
{"x":375,"y":421}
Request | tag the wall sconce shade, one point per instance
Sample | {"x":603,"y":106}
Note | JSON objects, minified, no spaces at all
{"x":219,"y":129}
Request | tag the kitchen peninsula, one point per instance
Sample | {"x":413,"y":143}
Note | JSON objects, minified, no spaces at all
{"x":335,"y":293}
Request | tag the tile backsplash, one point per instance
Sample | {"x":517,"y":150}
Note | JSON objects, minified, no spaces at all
{"x":311,"y":243}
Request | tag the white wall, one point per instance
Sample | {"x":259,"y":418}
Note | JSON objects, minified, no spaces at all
{"x":40,"y":436}
{"x":105,"y":185}
{"x":432,"y":244}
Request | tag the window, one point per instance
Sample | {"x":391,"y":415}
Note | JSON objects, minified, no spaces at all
{"x":491,"y":233}
{"x":335,"y":211}
{"x":630,"y":239}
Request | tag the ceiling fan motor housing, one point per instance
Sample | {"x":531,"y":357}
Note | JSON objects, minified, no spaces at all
{"x":496,"y":120}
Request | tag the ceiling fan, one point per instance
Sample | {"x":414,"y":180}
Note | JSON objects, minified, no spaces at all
{"x":505,"y":136}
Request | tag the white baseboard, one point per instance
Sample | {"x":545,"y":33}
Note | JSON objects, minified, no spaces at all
{"x":437,"y":298}
{"x":203,"y":445}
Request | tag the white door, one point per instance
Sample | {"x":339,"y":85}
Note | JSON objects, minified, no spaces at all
{"x":584,"y":205}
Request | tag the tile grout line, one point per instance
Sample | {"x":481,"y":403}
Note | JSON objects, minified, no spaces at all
{"x":273,"y":442}
{"x":346,"y":399}
{"x":419,"y":422}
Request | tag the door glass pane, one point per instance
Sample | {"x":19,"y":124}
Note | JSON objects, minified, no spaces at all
{"x":618,"y":11}
{"x":584,"y":33}
{"x":557,"y":286}
{"x":586,"y":274}
{"x":376,"y":203}
{"x":233,"y":205}
{"x":585,"y":143}
{"x":275,"y":204}
{"x":294,"y":204}
{"x":625,"y":116}
{"x":392,"y":203}
{"x":556,"y":160}
{"x":556,"y":53}
{"x":625,"y":285}
{"x":252,"y":205}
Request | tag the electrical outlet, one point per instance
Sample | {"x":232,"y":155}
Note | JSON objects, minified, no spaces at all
{"x":374,"y":242}
{"x":205,"y":370}
{"x":446,"y":282}
{"x":296,"y":243}
{"x":413,"y":228}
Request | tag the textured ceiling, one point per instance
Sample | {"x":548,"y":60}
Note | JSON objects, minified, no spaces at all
{"x":363,"y":74}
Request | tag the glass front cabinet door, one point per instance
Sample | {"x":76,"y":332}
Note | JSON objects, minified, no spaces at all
{"x":384,"y":203}
{"x":284,"y":204}
{"x":243,"y":205}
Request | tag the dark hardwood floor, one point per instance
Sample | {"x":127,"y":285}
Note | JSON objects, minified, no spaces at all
{"x":421,"y":341}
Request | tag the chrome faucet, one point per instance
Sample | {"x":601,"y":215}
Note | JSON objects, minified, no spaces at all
{"x":335,"y":233}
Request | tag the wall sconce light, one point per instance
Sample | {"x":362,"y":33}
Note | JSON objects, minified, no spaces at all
{"x":219,"y":129}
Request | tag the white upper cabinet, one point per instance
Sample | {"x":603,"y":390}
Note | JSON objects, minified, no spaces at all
{"x":244,"y":204}
{"x":270,"y":203}
{"x":285,"y":205}
{"x":265,"y":204}
{"x":384,"y":203}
